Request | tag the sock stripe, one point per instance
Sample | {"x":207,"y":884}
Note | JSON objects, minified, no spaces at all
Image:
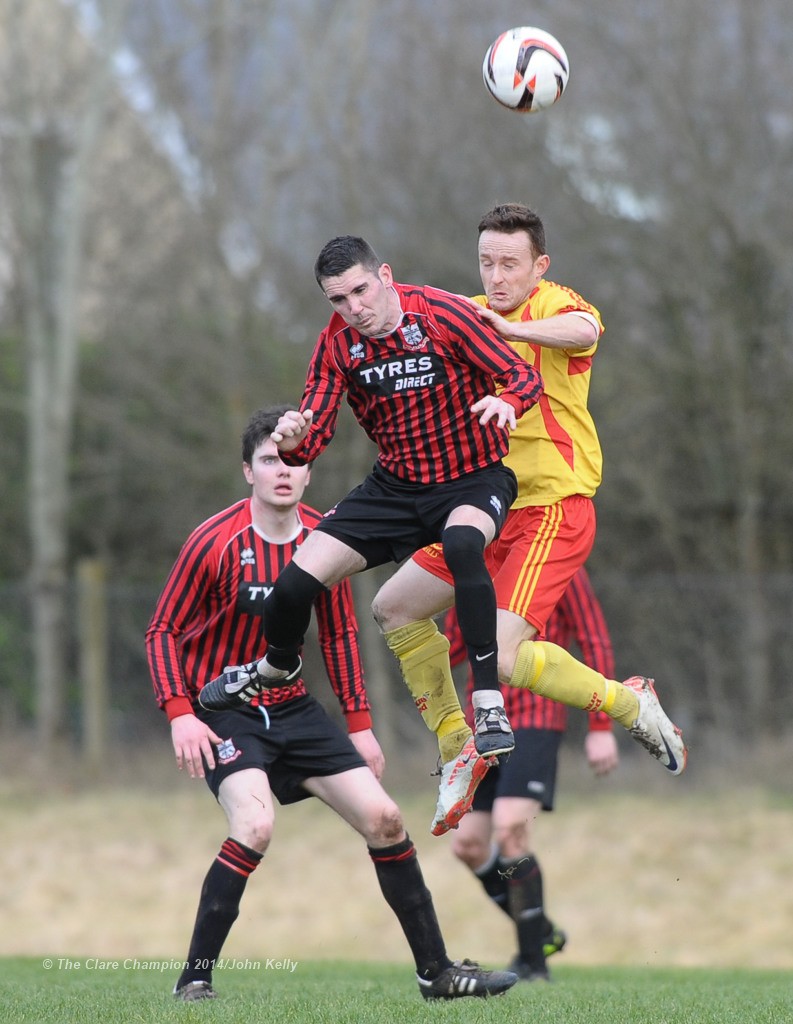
{"x":238,"y":858}
{"x":393,"y":854}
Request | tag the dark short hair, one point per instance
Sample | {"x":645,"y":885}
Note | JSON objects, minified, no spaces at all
{"x":511,"y":217}
{"x":343,"y":252}
{"x":261,"y":424}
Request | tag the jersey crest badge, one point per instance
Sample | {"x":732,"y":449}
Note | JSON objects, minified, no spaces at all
{"x":247,"y":557}
{"x":227,"y":752}
{"x":357,"y":351}
{"x":414,"y":339}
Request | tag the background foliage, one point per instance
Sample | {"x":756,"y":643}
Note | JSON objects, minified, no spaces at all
{"x":169,"y":169}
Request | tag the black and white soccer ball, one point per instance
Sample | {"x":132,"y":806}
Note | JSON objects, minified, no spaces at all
{"x":526,"y":69}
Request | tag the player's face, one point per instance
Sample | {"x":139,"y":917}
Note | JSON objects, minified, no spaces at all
{"x":365,"y":299}
{"x":274,"y":483}
{"x":509,"y":269}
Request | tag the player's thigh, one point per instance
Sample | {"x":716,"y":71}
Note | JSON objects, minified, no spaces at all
{"x":539,"y":551}
{"x":247,"y":801}
{"x":357,"y":797}
{"x":513,"y":824}
{"x":327,"y":558}
{"x":412,"y":593}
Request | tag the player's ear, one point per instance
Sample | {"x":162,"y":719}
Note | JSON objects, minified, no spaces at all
{"x":385,"y":274}
{"x":247,"y":472}
{"x":542,"y":263}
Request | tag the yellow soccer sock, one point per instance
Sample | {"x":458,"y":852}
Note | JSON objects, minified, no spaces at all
{"x":423,"y":654}
{"x":550,"y":671}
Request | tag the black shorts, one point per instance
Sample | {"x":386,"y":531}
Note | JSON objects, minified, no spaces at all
{"x":529,"y":771}
{"x":290,"y":742}
{"x":386,"y":519}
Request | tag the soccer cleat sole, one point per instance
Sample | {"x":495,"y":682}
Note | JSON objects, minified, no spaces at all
{"x":494,"y":749}
{"x":451,"y":819}
{"x":675,"y":763}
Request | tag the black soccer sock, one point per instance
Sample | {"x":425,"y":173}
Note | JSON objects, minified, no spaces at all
{"x":475,"y":601}
{"x":402,"y":885}
{"x":287,"y":614}
{"x":493,"y":882}
{"x":218,"y":908}
{"x":525,"y":901}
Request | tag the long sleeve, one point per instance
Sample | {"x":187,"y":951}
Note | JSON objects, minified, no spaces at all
{"x":338,"y":638}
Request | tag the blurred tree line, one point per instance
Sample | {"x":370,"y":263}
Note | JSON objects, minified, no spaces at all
{"x":169,"y":170}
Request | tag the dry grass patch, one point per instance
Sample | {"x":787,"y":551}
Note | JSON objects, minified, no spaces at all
{"x":675,"y":876}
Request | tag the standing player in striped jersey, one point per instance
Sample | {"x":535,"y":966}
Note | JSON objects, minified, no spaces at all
{"x":420,"y":369}
{"x":550,"y":529}
{"x":281,"y":743}
{"x":495,"y":840}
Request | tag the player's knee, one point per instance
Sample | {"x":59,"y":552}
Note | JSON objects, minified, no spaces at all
{"x":253,"y":827}
{"x":385,"y":826}
{"x":512,"y":837}
{"x":297,"y":583}
{"x":257,"y":835}
{"x":470,"y":849}
{"x":388,"y":609}
{"x":463,"y":548}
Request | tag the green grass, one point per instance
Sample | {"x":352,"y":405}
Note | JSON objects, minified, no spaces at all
{"x":356,"y":993}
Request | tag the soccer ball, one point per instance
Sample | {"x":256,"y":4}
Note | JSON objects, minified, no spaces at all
{"x":526,"y":69}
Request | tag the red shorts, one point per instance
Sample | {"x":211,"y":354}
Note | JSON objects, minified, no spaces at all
{"x":533,"y":559}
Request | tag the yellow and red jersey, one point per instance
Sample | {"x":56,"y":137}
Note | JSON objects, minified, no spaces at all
{"x":555,"y":450}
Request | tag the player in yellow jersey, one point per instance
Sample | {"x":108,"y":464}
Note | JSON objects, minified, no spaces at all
{"x":548,"y":536}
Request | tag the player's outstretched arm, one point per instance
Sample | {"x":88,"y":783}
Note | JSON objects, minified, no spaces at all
{"x":291,"y":429}
{"x":564,"y":330}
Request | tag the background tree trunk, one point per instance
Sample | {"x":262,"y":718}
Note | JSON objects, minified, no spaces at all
{"x":53,"y":164}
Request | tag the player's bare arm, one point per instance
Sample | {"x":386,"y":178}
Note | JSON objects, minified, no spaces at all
{"x":577,"y":331}
{"x":191,"y":739}
{"x":291,"y":429}
{"x":492,"y":405}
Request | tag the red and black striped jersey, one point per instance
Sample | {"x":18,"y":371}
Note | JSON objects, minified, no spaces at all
{"x":578,"y":618}
{"x":209,"y":615}
{"x":412,"y":390}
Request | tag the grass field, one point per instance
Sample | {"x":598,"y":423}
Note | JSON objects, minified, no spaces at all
{"x":676,"y":896}
{"x":355,"y":993}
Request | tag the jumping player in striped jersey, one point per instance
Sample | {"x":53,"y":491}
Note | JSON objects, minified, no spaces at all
{"x":495,"y":840}
{"x":420,"y":370}
{"x":281,"y":743}
{"x":550,"y":529}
